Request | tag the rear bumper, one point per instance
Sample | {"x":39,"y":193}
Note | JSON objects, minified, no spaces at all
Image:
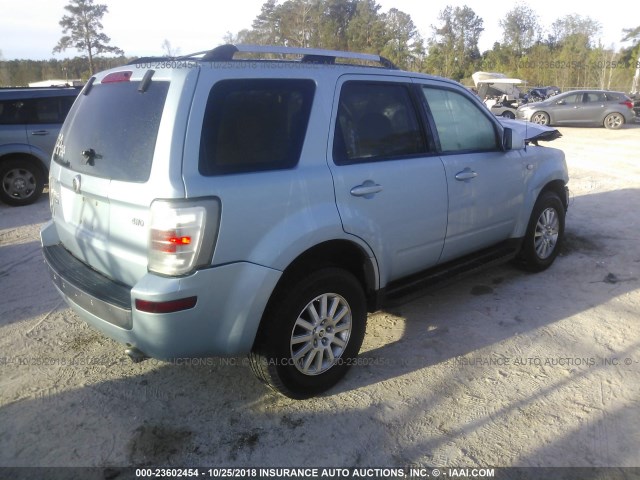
{"x":224,"y":321}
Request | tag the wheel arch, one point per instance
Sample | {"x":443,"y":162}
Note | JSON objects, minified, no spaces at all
{"x":558,"y":187}
{"x":332,"y":253}
{"x":335,"y":253}
{"x":25,"y":156}
{"x":608,"y":114}
{"x":549,"y":174}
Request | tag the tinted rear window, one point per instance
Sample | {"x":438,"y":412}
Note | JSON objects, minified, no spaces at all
{"x":256,"y":124}
{"x":376,"y":121}
{"x":112,"y":131}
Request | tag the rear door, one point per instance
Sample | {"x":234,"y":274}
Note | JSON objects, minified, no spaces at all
{"x":390,"y":185}
{"x":46,"y":116}
{"x":592,"y":108}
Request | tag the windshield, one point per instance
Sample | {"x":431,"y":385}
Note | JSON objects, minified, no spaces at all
{"x":111,"y":131}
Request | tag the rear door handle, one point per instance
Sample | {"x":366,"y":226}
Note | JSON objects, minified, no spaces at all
{"x":466,"y":174}
{"x":368,"y":189}
{"x":40,"y":132}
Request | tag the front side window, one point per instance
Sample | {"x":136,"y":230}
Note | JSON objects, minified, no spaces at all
{"x":461,"y":125}
{"x":254,"y":125}
{"x":376,"y":121}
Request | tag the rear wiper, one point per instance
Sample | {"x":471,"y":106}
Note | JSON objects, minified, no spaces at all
{"x":90,"y":156}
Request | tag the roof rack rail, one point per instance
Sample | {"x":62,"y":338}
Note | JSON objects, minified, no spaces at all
{"x":225,"y":53}
{"x":149,"y":60}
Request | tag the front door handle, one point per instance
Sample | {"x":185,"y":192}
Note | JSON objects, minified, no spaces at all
{"x":466,"y":174}
{"x":40,"y":132}
{"x":367,"y":190}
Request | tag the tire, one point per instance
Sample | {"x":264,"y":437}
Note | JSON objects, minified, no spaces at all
{"x":613,"y":121}
{"x":540,"y":118}
{"x":545,"y":233}
{"x":508,"y":114}
{"x":21,"y":182}
{"x":319,"y":317}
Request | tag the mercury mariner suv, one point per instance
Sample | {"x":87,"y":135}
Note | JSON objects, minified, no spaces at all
{"x":261,"y":200}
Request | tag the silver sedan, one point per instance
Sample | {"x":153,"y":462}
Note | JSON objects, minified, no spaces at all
{"x":580,"y":107}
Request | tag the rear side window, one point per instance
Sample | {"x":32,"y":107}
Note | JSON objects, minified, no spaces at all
{"x":13,"y":112}
{"x":254,"y":125}
{"x":111,"y":132}
{"x":460,"y":123}
{"x":45,"y":110}
{"x":376,"y":121}
{"x":593,"y":97}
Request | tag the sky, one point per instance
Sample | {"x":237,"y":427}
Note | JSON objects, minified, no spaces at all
{"x":29,"y":29}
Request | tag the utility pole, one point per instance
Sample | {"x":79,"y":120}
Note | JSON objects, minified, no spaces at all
{"x":636,"y":79}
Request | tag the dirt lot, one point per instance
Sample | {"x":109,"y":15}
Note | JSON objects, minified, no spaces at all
{"x":501,"y":369}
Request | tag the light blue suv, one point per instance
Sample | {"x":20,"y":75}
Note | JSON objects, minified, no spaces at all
{"x":220,"y":204}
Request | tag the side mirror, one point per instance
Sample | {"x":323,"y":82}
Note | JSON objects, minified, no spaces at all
{"x":512,"y":140}
{"x":560,"y":102}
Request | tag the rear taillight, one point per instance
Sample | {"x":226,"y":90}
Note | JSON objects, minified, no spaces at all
{"x":182,"y":235}
{"x":628,"y":103}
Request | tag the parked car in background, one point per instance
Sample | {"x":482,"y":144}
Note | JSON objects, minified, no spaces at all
{"x":540,"y":93}
{"x":30,"y":120}
{"x":636,"y":105}
{"x":503,"y":107}
{"x":580,"y":107}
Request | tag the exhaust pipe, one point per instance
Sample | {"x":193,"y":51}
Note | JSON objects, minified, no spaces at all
{"x":135,"y":355}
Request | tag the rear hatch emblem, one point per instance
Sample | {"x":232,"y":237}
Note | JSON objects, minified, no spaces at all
{"x":76,"y":184}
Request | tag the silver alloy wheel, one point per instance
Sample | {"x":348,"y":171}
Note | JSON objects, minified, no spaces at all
{"x":546,"y":234}
{"x":19,"y":183}
{"x":540,"y":118}
{"x":614,"y":120}
{"x":321,"y":333}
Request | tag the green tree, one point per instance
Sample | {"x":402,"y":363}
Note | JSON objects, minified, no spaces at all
{"x":82,"y":30}
{"x":335,"y":16}
{"x":400,"y":32}
{"x":520,"y":28}
{"x":366,"y":30}
{"x":264,"y":29}
{"x":453,"y":51}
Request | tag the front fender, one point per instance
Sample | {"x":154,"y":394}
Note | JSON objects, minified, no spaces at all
{"x":544,"y":165}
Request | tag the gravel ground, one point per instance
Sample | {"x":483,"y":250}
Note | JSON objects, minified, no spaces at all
{"x":503,"y":368}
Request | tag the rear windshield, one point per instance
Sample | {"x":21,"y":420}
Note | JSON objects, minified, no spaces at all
{"x":111,"y":132}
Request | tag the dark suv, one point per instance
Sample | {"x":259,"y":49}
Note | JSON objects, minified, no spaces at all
{"x":30,"y":120}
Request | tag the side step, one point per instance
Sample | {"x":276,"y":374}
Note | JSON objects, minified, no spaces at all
{"x":414,"y":286}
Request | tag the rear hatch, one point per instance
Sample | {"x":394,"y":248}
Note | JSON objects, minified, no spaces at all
{"x":117,"y":151}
